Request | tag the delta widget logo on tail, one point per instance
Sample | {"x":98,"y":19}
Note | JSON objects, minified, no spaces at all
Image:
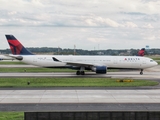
{"x":16,"y":47}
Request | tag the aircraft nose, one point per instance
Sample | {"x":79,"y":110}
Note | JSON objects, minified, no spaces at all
{"x":155,"y":63}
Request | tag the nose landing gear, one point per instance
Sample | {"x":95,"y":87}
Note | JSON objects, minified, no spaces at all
{"x":141,"y":72}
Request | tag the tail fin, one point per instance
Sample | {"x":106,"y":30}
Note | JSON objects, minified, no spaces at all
{"x":16,"y":47}
{"x":141,"y":52}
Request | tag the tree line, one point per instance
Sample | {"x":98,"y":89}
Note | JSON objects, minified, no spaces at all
{"x":60,"y":51}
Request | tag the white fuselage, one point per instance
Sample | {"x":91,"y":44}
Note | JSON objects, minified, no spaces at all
{"x":135,"y":62}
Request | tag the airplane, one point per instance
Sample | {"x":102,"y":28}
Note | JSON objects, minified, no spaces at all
{"x":98,"y":64}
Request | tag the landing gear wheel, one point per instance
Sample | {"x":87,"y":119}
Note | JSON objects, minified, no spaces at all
{"x":141,"y":73}
{"x":82,"y":73}
{"x":78,"y":72}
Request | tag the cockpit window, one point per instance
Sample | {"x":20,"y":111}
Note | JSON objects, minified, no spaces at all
{"x":151,"y":60}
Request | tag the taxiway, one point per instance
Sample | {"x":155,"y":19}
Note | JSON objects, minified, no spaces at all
{"x":125,"y":74}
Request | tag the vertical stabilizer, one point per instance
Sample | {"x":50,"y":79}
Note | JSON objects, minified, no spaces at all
{"x":16,"y":47}
{"x":141,"y":52}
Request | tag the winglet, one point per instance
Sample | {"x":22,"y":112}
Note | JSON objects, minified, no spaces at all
{"x":16,"y":47}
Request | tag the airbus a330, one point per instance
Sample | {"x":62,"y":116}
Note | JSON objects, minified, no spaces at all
{"x":98,"y":64}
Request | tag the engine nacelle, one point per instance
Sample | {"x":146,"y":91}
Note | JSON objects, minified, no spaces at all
{"x":100,"y":69}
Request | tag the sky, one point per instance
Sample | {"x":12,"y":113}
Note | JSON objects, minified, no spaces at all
{"x":87,"y":24}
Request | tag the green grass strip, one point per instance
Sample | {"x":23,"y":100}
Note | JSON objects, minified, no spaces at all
{"x":158,"y":62}
{"x":11,"y":116}
{"x":156,"y":58}
{"x":72,"y":82}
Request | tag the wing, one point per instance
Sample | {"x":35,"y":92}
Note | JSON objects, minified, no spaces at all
{"x":80,"y":64}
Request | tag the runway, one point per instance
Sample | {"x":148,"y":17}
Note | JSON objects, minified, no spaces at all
{"x":80,"y":100}
{"x":80,"y":96}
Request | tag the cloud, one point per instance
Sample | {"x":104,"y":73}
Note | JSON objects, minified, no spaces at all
{"x":105,"y":22}
{"x":99,"y":21}
{"x":130,"y":25}
{"x":150,"y":37}
{"x":97,"y":40}
{"x":148,"y":26}
{"x":150,"y":0}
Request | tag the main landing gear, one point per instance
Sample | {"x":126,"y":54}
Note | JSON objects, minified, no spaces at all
{"x":141,"y":72}
{"x":81,"y":71}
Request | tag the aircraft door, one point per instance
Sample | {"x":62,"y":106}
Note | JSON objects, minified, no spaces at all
{"x":115,"y":61}
{"x":34,"y":59}
{"x":144,"y":62}
{"x":71,"y":58}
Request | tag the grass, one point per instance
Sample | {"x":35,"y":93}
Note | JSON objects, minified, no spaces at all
{"x":72,"y":82}
{"x":156,"y":58}
{"x":11,"y":116}
{"x":158,"y":62}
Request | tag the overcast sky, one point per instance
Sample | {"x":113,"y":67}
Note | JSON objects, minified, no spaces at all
{"x":88,"y":24}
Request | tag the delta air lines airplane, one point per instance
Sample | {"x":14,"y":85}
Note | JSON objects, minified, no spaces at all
{"x":98,"y":64}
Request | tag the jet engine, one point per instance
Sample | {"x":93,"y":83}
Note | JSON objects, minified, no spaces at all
{"x":99,"y":69}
